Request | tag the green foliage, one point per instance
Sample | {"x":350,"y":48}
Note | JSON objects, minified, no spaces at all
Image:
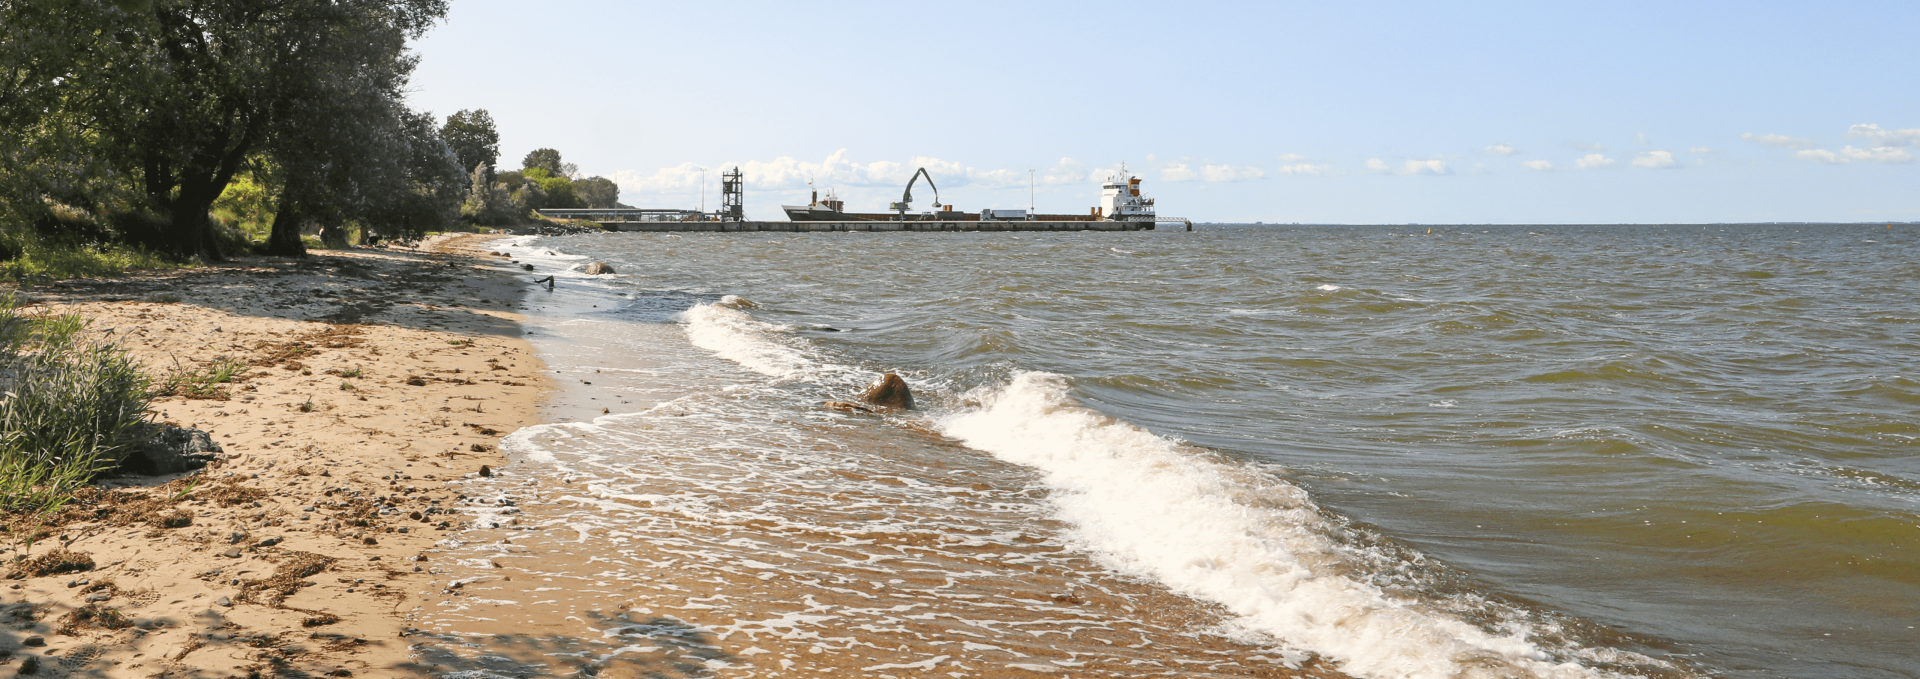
{"x":33,"y":256}
{"x":597,"y":192}
{"x":471,"y":135}
{"x":155,"y":106}
{"x":489,"y":203}
{"x":246,"y":207}
{"x":543,"y":159}
{"x":71,"y":407}
{"x":203,"y":382}
{"x":559,"y":192}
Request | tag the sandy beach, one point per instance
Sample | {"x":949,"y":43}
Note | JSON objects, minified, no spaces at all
{"x":372,"y":379}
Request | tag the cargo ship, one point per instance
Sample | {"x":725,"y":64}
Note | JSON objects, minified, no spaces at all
{"x":1120,"y":201}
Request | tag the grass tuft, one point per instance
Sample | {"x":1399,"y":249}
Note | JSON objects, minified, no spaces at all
{"x":70,"y":408}
{"x":202,"y":383}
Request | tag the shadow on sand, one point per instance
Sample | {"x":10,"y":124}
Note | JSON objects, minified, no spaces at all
{"x":656,"y":647}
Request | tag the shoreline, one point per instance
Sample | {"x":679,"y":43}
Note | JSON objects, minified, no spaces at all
{"x":374,"y":380}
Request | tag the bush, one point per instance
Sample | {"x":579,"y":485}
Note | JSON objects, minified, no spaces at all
{"x":32,"y":255}
{"x":70,"y":407}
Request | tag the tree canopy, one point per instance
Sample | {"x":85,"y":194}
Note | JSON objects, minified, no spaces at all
{"x":473,"y":138}
{"x":546,"y":159}
{"x":154,"y":107}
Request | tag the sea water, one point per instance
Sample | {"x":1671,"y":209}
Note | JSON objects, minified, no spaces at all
{"x":1506,"y":451}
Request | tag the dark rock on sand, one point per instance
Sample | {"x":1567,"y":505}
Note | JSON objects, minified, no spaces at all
{"x":889,"y":392}
{"x":528,"y":267}
{"x":172,"y":450}
{"x":598,"y":268}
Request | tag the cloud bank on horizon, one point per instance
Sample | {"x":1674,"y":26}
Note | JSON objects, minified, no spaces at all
{"x":841,"y":170}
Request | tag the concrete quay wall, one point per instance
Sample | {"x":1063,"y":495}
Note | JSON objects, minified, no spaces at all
{"x":876,"y":226}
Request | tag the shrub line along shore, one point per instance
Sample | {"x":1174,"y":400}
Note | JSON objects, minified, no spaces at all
{"x":366,"y":386}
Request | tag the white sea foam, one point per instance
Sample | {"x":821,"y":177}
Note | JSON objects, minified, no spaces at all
{"x":1206,"y":527}
{"x":1329,"y":287}
{"x":1220,"y":532}
{"x":726,"y":330}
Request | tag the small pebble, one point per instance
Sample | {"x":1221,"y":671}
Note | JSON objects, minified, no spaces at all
{"x":223,"y":601}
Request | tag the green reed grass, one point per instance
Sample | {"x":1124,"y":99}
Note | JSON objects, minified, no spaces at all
{"x":70,"y":407}
{"x":201,"y":383}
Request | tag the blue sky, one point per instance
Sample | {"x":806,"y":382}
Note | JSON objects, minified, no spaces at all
{"x":1357,"y":112}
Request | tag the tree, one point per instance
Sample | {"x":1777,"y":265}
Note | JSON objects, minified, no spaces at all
{"x":473,"y":138}
{"x":175,"y":95}
{"x":597,"y":192}
{"x":543,"y":158}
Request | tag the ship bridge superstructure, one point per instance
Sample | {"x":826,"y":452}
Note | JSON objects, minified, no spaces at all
{"x":1120,"y":199}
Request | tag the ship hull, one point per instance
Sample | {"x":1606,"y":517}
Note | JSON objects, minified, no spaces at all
{"x":814,"y":213}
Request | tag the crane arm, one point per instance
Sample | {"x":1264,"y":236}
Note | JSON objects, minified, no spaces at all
{"x":907,"y":197}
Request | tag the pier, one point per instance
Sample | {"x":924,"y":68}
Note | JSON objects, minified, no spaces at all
{"x":808,"y":227}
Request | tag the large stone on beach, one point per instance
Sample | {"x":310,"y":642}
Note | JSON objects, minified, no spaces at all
{"x":598,"y":268}
{"x":889,"y":392}
{"x":172,"y":450}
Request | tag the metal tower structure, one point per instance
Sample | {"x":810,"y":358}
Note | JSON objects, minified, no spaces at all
{"x":733,"y":191}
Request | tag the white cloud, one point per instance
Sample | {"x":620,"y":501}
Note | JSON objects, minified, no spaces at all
{"x":1178,"y":172}
{"x":1778,"y":140}
{"x":1067,"y":171}
{"x":1501,"y":150}
{"x":1229,"y":173}
{"x":1540,"y":165}
{"x":1699,"y":149}
{"x":1878,"y":154}
{"x":1820,"y":156}
{"x":1657,"y":160}
{"x":1593,"y":161}
{"x":839,"y":170}
{"x":1642,"y":138}
{"x":1427,"y":167}
{"x":1306,"y":169}
{"x":1885,"y":137}
{"x":1182,"y":172}
{"x":1377,"y":165}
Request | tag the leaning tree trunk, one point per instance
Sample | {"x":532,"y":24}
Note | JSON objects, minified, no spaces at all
{"x":284,"y":241}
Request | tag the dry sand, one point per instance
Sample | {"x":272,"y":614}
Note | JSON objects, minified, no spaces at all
{"x":374,"y":377}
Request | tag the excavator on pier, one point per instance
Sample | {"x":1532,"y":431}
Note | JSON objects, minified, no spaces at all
{"x":906,"y":198}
